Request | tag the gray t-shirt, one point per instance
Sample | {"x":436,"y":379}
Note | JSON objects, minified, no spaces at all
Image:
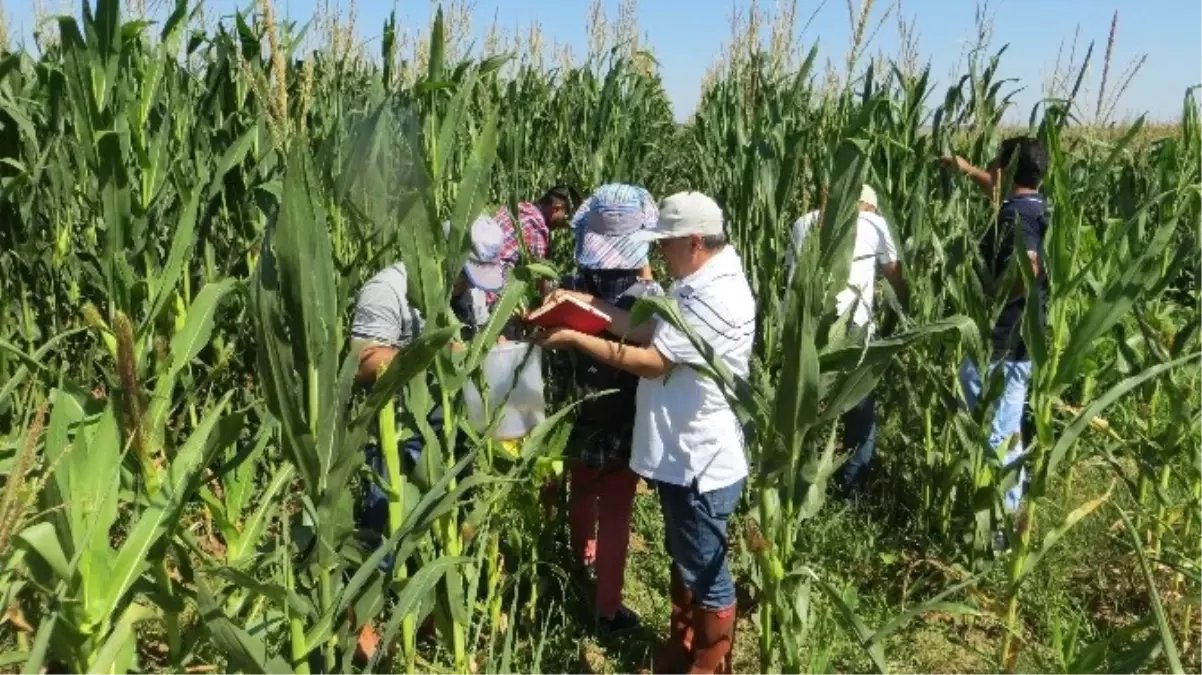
{"x":382,"y":312}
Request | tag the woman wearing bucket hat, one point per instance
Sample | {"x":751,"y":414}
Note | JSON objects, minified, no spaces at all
{"x":688,"y":441}
{"x":613,"y":267}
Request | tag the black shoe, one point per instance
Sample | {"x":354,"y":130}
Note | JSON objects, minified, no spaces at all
{"x":999,"y":542}
{"x":624,"y":621}
{"x":584,"y":576}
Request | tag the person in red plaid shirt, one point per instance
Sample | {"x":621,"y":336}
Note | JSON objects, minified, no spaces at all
{"x":552,"y":211}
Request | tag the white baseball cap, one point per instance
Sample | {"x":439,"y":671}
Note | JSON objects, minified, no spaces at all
{"x":483,"y":268}
{"x":868,"y":195}
{"x":682,"y":215}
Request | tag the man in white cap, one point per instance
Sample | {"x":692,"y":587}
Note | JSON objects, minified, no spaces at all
{"x":688,"y":442}
{"x":385,"y":322}
{"x":873,"y":248}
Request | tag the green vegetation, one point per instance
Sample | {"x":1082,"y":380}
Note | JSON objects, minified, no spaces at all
{"x":186,"y":214}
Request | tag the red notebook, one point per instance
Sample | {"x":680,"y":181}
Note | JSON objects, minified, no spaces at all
{"x":570,"y":313}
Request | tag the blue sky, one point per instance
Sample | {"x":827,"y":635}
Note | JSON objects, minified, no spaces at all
{"x":686,"y":36}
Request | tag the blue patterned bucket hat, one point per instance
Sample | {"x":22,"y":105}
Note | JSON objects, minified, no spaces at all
{"x":604,"y":223}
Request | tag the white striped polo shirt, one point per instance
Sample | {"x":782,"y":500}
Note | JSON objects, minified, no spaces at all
{"x":684,"y":429}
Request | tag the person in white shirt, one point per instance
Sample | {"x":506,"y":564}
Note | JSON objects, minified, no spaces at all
{"x":688,"y":442}
{"x":873,"y":248}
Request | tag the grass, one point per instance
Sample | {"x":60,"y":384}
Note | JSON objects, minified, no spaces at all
{"x":243,"y":282}
{"x":874,"y":548}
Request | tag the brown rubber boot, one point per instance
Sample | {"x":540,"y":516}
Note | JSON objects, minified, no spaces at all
{"x":674,"y":657}
{"x":713,"y":639}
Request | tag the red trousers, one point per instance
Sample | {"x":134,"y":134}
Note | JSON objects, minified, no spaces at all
{"x":601,"y":505}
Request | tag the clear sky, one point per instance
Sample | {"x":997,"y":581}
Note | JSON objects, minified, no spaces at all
{"x":686,"y":36}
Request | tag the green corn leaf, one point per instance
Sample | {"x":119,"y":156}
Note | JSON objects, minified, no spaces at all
{"x":859,"y":629}
{"x":186,"y":345}
{"x":181,"y":247}
{"x":436,"y":500}
{"x":1075,"y":428}
{"x":1162,"y":622}
{"x":472,"y":194}
{"x":119,"y":654}
{"x":282,"y":596}
{"x":244,"y":650}
{"x":365,"y":151}
{"x":93,"y":469}
{"x":211,"y":435}
{"x":1116,"y":300}
{"x":437,"y":47}
{"x":451,"y":125}
{"x":34,"y":361}
{"x":41,"y":540}
{"x":197,"y":329}
{"x":254,"y":527}
{"x":411,"y":593}
{"x":937,"y":603}
{"x":233,"y":156}
{"x":11,"y":659}
{"x":239,"y":471}
{"x":41,"y":644}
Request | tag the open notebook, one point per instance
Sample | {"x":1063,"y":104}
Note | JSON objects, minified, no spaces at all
{"x":570,"y":313}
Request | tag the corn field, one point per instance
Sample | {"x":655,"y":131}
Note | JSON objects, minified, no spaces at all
{"x":186,"y":215}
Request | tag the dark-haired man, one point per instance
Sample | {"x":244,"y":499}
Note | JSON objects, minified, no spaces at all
{"x":552,"y":211}
{"x":1022,"y":207}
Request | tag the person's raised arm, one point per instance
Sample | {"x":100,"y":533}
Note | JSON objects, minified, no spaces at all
{"x":982,"y":178}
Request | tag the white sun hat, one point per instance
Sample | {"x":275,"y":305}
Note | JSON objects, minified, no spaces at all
{"x":868,"y":195}
{"x":484,"y":268}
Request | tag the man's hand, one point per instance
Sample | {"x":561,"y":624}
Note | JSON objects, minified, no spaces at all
{"x":955,"y":162}
{"x":982,"y":178}
{"x":556,"y":338}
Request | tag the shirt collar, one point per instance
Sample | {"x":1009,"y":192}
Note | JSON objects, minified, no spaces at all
{"x":1026,"y":197}
{"x":528,"y":211}
{"x":726,"y":261}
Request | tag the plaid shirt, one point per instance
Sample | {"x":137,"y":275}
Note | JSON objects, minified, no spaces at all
{"x":534,"y":231}
{"x":608,"y":446}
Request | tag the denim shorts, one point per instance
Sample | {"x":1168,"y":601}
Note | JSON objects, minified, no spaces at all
{"x":695,"y":533}
{"x":1007,"y":416}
